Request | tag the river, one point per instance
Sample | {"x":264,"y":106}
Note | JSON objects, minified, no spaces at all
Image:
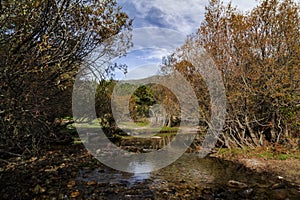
{"x":190,"y":177}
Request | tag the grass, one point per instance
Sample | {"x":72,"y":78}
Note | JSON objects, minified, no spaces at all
{"x":134,"y":124}
{"x":169,"y":129}
{"x":166,"y":134}
{"x":77,"y":141}
{"x":143,"y":123}
{"x":261,"y":152}
{"x":88,"y":124}
{"x":140,"y":127}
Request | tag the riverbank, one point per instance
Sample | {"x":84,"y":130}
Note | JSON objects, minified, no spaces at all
{"x":277,"y":160}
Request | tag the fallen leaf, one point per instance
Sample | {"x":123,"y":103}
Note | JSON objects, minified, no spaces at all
{"x":62,"y":165}
{"x":33,"y":159}
{"x":71,"y":184}
{"x":75,"y":194}
{"x":52,"y":169}
{"x":42,"y":190}
{"x":91,"y":183}
{"x":38,"y":189}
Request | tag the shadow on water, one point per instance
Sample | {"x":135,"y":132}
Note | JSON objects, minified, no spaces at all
{"x":190,"y":177}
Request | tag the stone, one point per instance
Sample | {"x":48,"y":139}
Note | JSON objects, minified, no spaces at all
{"x":236,"y":184}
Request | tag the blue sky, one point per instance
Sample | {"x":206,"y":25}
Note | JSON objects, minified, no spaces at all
{"x":159,"y":27}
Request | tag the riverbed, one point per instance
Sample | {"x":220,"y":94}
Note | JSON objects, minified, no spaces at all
{"x":190,"y":177}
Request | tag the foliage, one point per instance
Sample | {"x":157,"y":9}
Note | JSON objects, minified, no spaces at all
{"x":140,"y":103}
{"x":103,"y":102}
{"x":195,"y":79}
{"x":43,"y":46}
{"x":258,"y":53}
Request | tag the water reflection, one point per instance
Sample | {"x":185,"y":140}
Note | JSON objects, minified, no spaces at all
{"x":111,"y":176}
{"x":139,"y":171}
{"x":190,"y":177}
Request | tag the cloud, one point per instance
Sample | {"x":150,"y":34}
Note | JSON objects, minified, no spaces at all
{"x":151,"y":44}
{"x":183,"y":16}
{"x":143,"y":71}
{"x":161,"y":26}
{"x":243,"y":5}
{"x":154,"y":37}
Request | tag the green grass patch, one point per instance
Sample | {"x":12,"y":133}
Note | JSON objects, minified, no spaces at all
{"x":142,"y":124}
{"x":282,"y":156}
{"x":266,"y":154}
{"x":67,"y":118}
{"x":77,"y":141}
{"x":260,"y":152}
{"x":169,"y":129}
{"x":166,"y":134}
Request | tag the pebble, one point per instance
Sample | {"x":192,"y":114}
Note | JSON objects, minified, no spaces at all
{"x":236,"y":184}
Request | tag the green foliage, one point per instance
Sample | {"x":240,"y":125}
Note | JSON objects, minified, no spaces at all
{"x":141,"y":101}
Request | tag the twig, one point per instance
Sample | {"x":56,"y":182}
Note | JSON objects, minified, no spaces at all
{"x":13,"y":154}
{"x":5,"y":161}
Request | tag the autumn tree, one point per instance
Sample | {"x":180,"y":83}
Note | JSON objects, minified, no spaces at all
{"x":43,"y":46}
{"x":258,"y":55}
{"x":194,"y":77}
{"x":168,"y":102}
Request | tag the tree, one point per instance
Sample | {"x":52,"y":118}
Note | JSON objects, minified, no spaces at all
{"x":258,"y":55}
{"x":176,"y":63}
{"x":43,"y":46}
{"x":140,"y":103}
{"x":169,"y":103}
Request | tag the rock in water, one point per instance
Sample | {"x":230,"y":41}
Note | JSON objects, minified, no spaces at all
{"x":236,"y":184}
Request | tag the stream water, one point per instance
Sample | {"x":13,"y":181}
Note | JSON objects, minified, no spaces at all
{"x":190,"y":177}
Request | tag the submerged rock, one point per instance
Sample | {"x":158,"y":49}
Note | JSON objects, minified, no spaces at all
{"x":236,"y":184}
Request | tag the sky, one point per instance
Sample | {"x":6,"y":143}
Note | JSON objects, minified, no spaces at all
{"x":161,"y":26}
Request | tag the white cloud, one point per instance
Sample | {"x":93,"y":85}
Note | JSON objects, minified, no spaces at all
{"x":151,"y":44}
{"x":157,"y":38}
{"x":245,"y":5}
{"x":171,"y":22}
{"x":143,"y":71}
{"x":183,"y":16}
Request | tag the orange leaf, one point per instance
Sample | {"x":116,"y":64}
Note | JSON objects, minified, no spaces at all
{"x":71,"y":184}
{"x":75,"y":194}
{"x":91,"y":183}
